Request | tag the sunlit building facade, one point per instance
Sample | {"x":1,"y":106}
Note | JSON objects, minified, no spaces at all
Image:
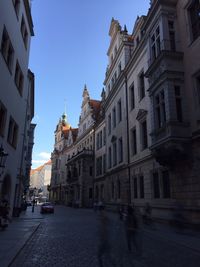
{"x":16,"y":99}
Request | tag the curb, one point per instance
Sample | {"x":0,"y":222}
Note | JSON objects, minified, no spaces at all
{"x":18,"y":248}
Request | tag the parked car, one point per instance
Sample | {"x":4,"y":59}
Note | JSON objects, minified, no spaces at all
{"x":47,"y":207}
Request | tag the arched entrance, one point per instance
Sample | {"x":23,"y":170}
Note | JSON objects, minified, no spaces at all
{"x":6,"y":188}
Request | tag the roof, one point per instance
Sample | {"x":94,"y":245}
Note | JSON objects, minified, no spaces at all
{"x":40,"y":167}
{"x":96,"y":106}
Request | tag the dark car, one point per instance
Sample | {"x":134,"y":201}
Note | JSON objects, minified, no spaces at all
{"x":47,"y":207}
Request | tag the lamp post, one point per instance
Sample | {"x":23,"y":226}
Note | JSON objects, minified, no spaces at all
{"x":3,"y":157}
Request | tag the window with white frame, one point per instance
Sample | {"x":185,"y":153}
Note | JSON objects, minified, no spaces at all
{"x":155,"y":44}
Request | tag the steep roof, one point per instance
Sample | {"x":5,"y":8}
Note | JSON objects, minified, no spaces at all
{"x":96,"y":106}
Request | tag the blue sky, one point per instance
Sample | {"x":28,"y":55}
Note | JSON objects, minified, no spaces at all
{"x":69,"y":49}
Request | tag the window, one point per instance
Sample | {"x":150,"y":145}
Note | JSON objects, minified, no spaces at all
{"x":119,"y":189}
{"x":91,"y":170}
{"x":104,"y":135}
{"x":114,"y":154}
{"x":19,"y":78}
{"x":112,"y":82}
{"x":12,"y":133}
{"x":155,"y":44}
{"x":109,"y":124}
{"x":178,"y":100}
{"x":119,"y":68}
{"x":99,"y":166}
{"x":166,"y":184}
{"x":194,"y":11}
{"x":90,"y":193}
{"x":109,"y":157}
{"x":104,"y":163}
{"x":100,"y":139}
{"x":141,"y":179}
{"x":156,"y":185}
{"x":172,"y":42}
{"x":114,"y":117}
{"x":115,"y":76}
{"x":141,"y":86}
{"x":24,"y":32}
{"x":97,"y":141}
{"x":113,"y":190}
{"x":133,"y":142}
{"x":3,"y":113}
{"x":7,"y":49}
{"x":160,"y":111}
{"x":132,"y":97}
{"x":120,"y":149}
{"x":16,"y":4}
{"x":135,"y":187}
{"x":119,"y":109}
{"x":144,"y":134}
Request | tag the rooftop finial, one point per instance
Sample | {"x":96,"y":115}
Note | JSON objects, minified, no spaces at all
{"x":125,"y":29}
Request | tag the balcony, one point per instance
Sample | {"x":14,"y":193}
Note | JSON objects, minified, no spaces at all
{"x":170,"y":143}
{"x":80,"y":154}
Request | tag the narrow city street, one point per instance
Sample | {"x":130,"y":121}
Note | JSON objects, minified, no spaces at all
{"x":83,"y":237}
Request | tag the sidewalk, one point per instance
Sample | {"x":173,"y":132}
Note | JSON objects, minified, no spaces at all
{"x":13,"y":238}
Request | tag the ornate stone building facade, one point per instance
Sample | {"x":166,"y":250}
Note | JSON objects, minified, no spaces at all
{"x":145,"y":139}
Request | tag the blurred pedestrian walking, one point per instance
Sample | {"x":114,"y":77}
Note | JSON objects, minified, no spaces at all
{"x":133,"y":234}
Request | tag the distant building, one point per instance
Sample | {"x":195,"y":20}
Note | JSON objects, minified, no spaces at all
{"x":16,"y":99}
{"x":40,"y":179}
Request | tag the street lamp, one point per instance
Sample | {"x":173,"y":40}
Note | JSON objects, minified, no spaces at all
{"x":3,"y":157}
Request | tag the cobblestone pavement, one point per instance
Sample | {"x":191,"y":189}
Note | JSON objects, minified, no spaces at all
{"x":84,"y":238}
